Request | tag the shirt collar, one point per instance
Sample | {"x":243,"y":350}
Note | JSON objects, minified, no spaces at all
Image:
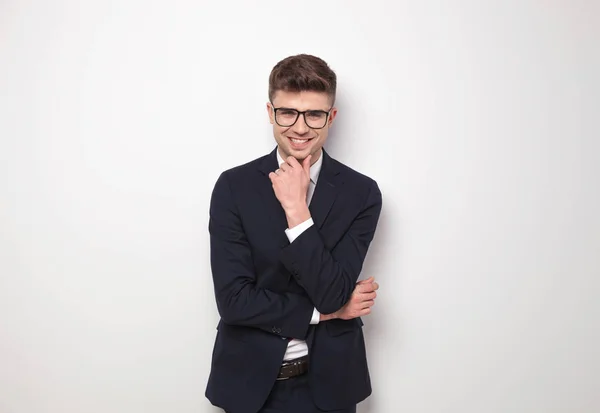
{"x":315,"y":169}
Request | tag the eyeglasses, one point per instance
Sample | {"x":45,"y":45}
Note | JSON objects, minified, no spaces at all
{"x":314,"y":119}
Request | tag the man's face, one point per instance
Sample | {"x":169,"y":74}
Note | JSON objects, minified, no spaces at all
{"x":299,"y":140}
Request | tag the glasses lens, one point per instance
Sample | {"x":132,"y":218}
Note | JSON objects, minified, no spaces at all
{"x":316,"y":118}
{"x":286,"y":117}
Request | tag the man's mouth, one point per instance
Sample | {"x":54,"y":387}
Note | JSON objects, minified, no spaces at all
{"x":299,"y":143}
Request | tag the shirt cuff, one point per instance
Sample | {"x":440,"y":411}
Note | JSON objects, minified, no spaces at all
{"x":293,"y":233}
{"x":315,"y":317}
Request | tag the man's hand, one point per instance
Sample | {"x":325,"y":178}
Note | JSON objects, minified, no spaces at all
{"x":290,"y":184}
{"x":360,"y":303}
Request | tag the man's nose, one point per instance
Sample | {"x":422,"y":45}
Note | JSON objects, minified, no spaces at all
{"x":300,"y":127}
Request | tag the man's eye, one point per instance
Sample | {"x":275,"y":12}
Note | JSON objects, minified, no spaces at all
{"x":316,"y":114}
{"x":287,"y":112}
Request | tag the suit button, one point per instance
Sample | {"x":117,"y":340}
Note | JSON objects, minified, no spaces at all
{"x":283,"y":338}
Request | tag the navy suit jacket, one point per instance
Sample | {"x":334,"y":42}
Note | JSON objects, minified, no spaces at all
{"x":266,"y":288}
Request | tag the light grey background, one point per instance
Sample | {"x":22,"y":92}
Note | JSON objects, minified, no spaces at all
{"x":478,"y":119}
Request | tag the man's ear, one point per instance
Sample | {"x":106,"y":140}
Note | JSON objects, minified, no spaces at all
{"x":270,"y":112}
{"x":332,"y":115}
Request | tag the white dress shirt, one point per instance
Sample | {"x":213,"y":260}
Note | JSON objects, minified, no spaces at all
{"x":298,"y":348}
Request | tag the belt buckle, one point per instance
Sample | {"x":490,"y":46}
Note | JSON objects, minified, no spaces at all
{"x":292,"y":365}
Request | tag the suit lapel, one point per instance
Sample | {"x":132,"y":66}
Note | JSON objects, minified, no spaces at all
{"x":326,"y":191}
{"x":271,"y":203}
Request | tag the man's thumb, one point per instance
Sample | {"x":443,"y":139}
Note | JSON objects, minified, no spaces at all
{"x":368,"y":280}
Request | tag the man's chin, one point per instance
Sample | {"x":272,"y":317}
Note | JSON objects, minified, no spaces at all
{"x":301,"y":155}
{"x":298,"y":154}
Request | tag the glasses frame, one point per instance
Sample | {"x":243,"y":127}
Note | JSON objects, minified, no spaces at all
{"x":298,"y":113}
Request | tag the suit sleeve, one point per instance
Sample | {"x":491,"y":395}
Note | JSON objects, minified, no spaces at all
{"x":329,"y":277}
{"x":239,"y":300}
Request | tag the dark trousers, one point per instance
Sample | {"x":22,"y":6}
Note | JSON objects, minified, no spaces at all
{"x":293,"y":396}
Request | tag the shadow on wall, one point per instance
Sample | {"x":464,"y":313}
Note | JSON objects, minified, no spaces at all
{"x":374,"y":324}
{"x":385,"y":248}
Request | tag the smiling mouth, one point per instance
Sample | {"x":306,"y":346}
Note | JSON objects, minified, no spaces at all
{"x":299,"y":141}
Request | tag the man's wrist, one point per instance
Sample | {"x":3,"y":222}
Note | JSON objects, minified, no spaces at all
{"x":325,"y":317}
{"x":297,"y":215}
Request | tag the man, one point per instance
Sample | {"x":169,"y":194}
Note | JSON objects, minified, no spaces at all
{"x":289,"y":233}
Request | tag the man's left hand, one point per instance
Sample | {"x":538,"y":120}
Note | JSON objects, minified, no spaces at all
{"x":359,"y":304}
{"x":290,"y":184}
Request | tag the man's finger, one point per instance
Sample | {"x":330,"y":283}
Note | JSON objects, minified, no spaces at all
{"x":366,"y":288}
{"x":293,"y":162}
{"x":306,"y":164}
{"x":364,"y":311}
{"x":368,"y":296}
{"x":368,"y":303}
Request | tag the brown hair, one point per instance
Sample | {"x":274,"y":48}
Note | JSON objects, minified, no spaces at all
{"x":300,"y":73}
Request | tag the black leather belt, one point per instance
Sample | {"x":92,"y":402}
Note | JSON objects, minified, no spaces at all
{"x":293,"y":368}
